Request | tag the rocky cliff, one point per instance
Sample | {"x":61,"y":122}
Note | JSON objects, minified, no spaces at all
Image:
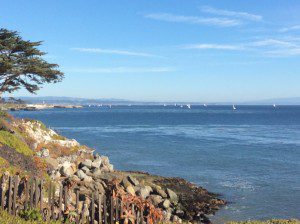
{"x":27,"y":147}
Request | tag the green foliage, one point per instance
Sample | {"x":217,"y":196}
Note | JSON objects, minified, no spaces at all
{"x":58,"y":137}
{"x":22,"y":64}
{"x":14,"y":142}
{"x":5,"y":218}
{"x":273,"y":221}
{"x":31,"y":214}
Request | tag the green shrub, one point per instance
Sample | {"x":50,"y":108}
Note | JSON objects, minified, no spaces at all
{"x":14,"y":142}
{"x":5,"y":218}
{"x":31,"y":215}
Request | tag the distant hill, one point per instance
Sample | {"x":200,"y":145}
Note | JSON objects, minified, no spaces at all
{"x":86,"y":101}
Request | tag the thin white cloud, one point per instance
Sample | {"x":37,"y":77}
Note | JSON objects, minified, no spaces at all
{"x":291,"y":28}
{"x":222,"y":12}
{"x":289,"y":52}
{"x":222,"y":22}
{"x":272,"y":43}
{"x":265,"y":47}
{"x":114,"y":51}
{"x":117,"y":70}
{"x":214,"y":47}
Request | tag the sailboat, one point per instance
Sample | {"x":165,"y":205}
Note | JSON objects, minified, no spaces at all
{"x":274,"y":105}
{"x":204,"y":105}
{"x":233,"y":107}
{"x":188,"y":106}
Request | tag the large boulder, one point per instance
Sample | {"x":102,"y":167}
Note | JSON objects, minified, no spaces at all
{"x":133,"y":181}
{"x":130,"y":190}
{"x":105,"y":160}
{"x":87,"y":163}
{"x":80,"y":174}
{"x":96,"y":163}
{"x":144,"y":192}
{"x":67,"y":169}
{"x":166,"y":204}
{"x":43,"y":153}
{"x":155,"y":199}
{"x":172,"y":196}
{"x":157,"y":190}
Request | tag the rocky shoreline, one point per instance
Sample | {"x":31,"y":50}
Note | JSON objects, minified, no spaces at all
{"x":68,"y":162}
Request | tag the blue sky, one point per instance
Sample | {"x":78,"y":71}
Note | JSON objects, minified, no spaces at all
{"x":165,"y":50}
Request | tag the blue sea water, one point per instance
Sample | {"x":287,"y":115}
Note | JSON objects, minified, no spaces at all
{"x":251,"y":156}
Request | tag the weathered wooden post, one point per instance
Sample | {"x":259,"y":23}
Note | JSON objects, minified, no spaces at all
{"x":77,"y":207}
{"x":36,"y":191}
{"x":31,"y":193}
{"x":2,"y":192}
{"x":16,"y":185}
{"x":93,"y":209}
{"x":111,"y":209}
{"x":60,"y":202}
{"x":9,"y":194}
{"x":104,"y":209}
{"x":41,"y":195}
{"x":100,"y":209}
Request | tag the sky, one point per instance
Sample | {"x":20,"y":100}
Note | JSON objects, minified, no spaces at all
{"x":165,"y":50}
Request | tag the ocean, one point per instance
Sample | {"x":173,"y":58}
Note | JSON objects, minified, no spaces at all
{"x":250,"y":156}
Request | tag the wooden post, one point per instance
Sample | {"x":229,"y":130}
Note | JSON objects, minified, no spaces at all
{"x":83,"y":213}
{"x":65,"y":197}
{"x":121,"y":208}
{"x":142,"y":215}
{"x":104,"y":210}
{"x":36,"y":191}
{"x":53,"y":202}
{"x":26,"y":194}
{"x":60,"y":202}
{"x":132,"y":210}
{"x":16,"y":185}
{"x":92,"y":209}
{"x":77,"y":207}
{"x":99,"y":209}
{"x":117,"y":209}
{"x":31,"y":193}
{"x":41,"y":195}
{"x":2,"y":193}
{"x":9,"y":195}
{"x":111,"y":209}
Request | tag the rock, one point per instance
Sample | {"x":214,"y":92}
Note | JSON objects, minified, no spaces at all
{"x":80,"y":174}
{"x":155,"y":199}
{"x":43,"y":153}
{"x":166,"y":204}
{"x":55,"y":175}
{"x":87,"y":163}
{"x":160,"y":192}
{"x":172,"y":195}
{"x":87,"y":179}
{"x":143,"y":192}
{"x":67,"y":169}
{"x":85,"y":169}
{"x":105,"y":160}
{"x":125,"y":182}
{"x":99,"y":187}
{"x":176,"y":219}
{"x":130,"y":190}
{"x":96,"y":163}
{"x":97,"y":173}
{"x":107,"y":168}
{"x":133,"y":181}
{"x":167,"y":216}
